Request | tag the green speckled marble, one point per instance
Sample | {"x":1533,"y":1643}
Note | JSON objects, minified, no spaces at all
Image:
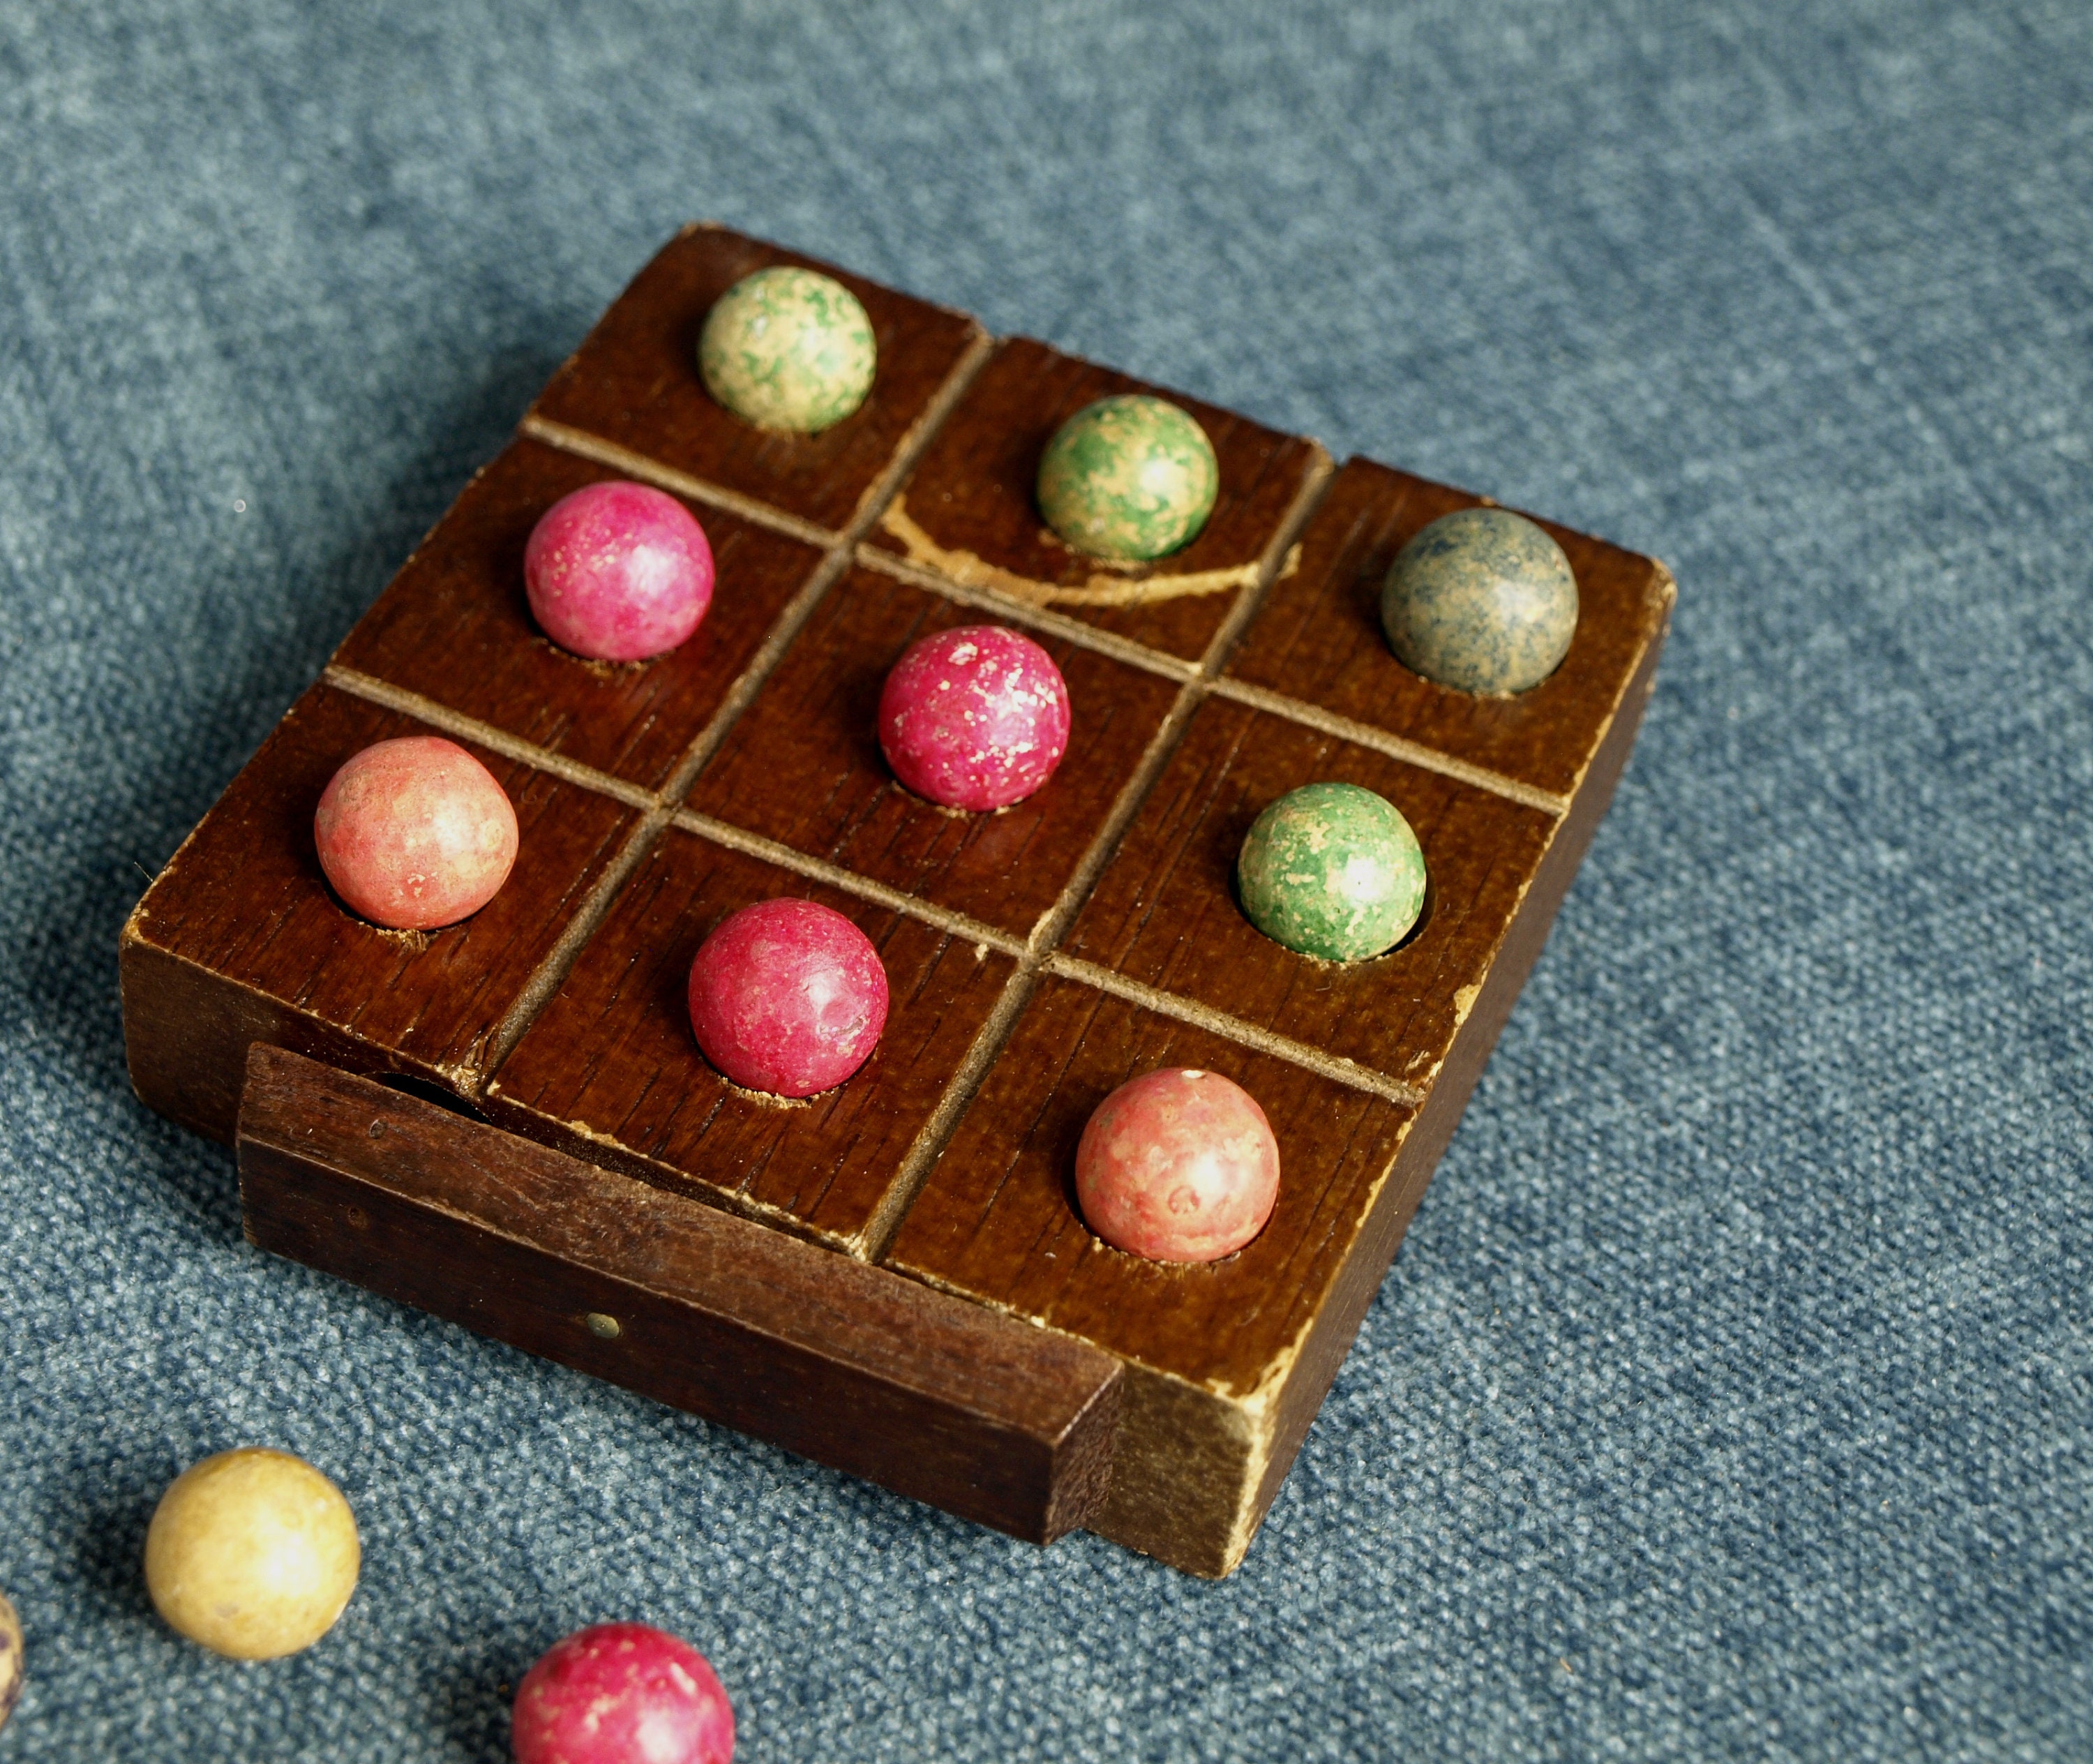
{"x":1130,"y":478}
{"x":785,"y":348}
{"x":1333,"y":871}
{"x":1481,"y":600}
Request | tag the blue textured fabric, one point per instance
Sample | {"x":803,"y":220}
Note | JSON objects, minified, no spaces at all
{"x":1731,"y":1396}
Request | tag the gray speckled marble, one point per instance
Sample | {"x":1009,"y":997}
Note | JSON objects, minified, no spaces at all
{"x":1482,"y":600}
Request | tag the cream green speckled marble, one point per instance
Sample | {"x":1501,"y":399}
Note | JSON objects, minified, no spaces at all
{"x":786,"y":349}
{"x":1332,"y":871}
{"x":1481,"y":600}
{"x":1130,"y":478}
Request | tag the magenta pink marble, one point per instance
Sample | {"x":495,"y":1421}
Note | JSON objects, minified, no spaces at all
{"x":415,"y":834}
{"x":618,"y":572}
{"x":788,"y":996}
{"x":1178,"y":1166}
{"x":621,"y":1693}
{"x":974,"y":718}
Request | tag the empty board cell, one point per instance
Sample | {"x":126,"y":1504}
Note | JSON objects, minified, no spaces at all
{"x":611,"y":1071}
{"x":1318,"y":637}
{"x":998,"y":1219}
{"x":456,"y":626}
{"x":1165,"y":911}
{"x":242,"y":923}
{"x":969,"y":509}
{"x":635,"y":382}
{"x":804,"y":766}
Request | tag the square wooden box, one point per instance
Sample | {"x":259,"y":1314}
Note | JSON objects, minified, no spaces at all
{"x":509,"y":1123}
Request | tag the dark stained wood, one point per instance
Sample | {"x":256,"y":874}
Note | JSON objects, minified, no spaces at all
{"x":1319,"y":638}
{"x":456,"y":626}
{"x":709,"y":1221}
{"x":998,"y":1217}
{"x":997,"y":1221}
{"x":634,"y":381}
{"x":240,"y":933}
{"x":845,"y":1364}
{"x":803,"y":766}
{"x":1324,"y":1351}
{"x":1165,"y":913}
{"x":972,"y":491}
{"x":612,"y":1071}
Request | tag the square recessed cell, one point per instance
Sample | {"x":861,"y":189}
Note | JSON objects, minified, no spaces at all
{"x":635,"y":382}
{"x":241,"y":939}
{"x":1318,"y":637}
{"x":1165,"y":911}
{"x":611,"y":1070}
{"x":1229,"y":1359}
{"x":969,"y":509}
{"x":802,"y":766}
{"x":456,"y":626}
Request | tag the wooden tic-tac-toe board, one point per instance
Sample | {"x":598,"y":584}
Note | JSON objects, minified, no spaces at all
{"x":892,"y":1278}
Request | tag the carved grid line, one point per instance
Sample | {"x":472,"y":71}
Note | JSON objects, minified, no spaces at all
{"x":1038,"y":953}
{"x":1042,"y":619}
{"x":551,"y":973}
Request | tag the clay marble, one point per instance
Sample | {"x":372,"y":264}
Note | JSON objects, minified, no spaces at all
{"x":1177,"y":1165}
{"x":786,"y":349}
{"x":788,"y":997}
{"x":1332,"y":871}
{"x":1131,"y":478}
{"x":621,"y":1693}
{"x":975,"y":717}
{"x":1481,"y":600}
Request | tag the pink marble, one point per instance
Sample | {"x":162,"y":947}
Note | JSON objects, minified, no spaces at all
{"x":621,"y":1693}
{"x":1178,"y":1166}
{"x":415,"y":834}
{"x":974,"y":718}
{"x":618,"y":572}
{"x":788,"y":996}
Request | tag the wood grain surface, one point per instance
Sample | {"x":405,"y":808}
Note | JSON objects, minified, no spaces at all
{"x":611,"y":1072}
{"x":1165,"y":911}
{"x":635,"y":382}
{"x":803,"y":767}
{"x":243,"y":905}
{"x":456,"y":626}
{"x":1210,"y":1350}
{"x":997,"y":1218}
{"x":848,"y":1364}
{"x":559,"y":1012}
{"x":972,"y":492}
{"x":1318,"y":637}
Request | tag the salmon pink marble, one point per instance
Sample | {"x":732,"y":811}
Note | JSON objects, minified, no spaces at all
{"x":414,"y":833}
{"x":618,"y":572}
{"x":1178,"y":1166}
{"x":975,"y":718}
{"x":788,"y":996}
{"x":621,"y":1693}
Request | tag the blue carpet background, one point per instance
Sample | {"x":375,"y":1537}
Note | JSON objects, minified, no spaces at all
{"x":1731,"y":1397}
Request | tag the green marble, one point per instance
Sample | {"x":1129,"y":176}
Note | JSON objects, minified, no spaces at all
{"x":1481,"y":600}
{"x":1333,"y":871}
{"x":785,"y":348}
{"x":1129,"y":479}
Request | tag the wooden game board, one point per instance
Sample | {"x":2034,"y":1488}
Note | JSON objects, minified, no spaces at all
{"x":892,"y":1278}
